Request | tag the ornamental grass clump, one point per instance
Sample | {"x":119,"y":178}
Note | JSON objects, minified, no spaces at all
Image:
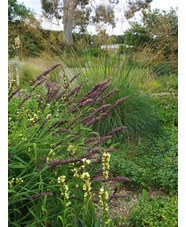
{"x":51,"y":144}
{"x":139,"y":113}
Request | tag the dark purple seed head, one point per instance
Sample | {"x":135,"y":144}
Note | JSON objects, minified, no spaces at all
{"x":120,"y":179}
{"x":116,"y":130}
{"x":38,"y":195}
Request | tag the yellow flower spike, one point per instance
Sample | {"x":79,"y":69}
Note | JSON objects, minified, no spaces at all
{"x":68,"y":204}
{"x":107,"y":222}
{"x":70,"y":147}
{"x":74,"y":150}
{"x":61,"y":179}
{"x":85,"y":176}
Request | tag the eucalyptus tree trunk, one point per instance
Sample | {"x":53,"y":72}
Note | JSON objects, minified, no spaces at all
{"x":68,"y":17}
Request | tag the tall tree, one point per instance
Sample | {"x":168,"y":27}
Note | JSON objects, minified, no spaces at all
{"x":78,"y":13}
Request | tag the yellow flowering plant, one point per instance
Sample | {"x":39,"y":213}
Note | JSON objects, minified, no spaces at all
{"x":32,"y":115}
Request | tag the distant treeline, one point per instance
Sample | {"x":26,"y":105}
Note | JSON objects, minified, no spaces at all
{"x":29,"y":39}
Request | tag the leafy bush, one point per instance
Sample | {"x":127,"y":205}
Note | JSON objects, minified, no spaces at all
{"x":95,"y":52}
{"x":162,"y":211}
{"x":150,"y":162}
{"x":29,"y":72}
{"x":169,"y":109}
{"x":156,"y":32}
{"x":136,"y":174}
{"x":124,"y":49}
{"x":54,"y":156}
{"x":167,"y":96}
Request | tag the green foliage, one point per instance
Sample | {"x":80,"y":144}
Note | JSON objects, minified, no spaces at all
{"x":95,"y":52}
{"x":166,"y":88}
{"x":151,"y":162}
{"x":169,"y":109}
{"x":29,"y":73}
{"x":162,"y":211}
{"x":162,"y":68}
{"x":136,"y":6}
{"x":31,"y":39}
{"x":124,"y":49}
{"x":145,"y":195}
{"x":129,"y":169}
{"x":157,"y":32}
{"x":104,"y":14}
{"x":17,"y":11}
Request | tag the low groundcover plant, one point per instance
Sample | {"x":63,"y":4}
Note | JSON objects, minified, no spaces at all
{"x":55,"y":158}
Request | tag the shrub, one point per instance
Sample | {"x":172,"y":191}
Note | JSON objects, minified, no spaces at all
{"x":124,"y":49}
{"x":136,"y":174}
{"x":29,"y":72}
{"x":169,"y":109}
{"x":95,"y":52}
{"x":54,"y":156}
{"x":162,"y":211}
{"x":151,"y":162}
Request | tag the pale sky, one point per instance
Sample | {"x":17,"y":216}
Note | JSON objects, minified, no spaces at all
{"x":121,"y":24}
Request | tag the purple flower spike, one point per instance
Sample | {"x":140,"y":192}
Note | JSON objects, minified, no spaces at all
{"x":63,"y":130}
{"x":120,"y":179}
{"x":57,"y":162}
{"x":116,"y":130}
{"x":24,"y":100}
{"x":99,"y":171}
{"x":95,"y":119}
{"x":103,"y":139}
{"x":38,"y":195}
{"x":117,"y":103}
{"x":44,"y":74}
{"x":11,"y":155}
{"x":38,"y":83}
{"x":50,"y":84}
{"x":110,"y":93}
{"x":54,"y":93}
{"x":45,"y":121}
{"x":90,"y":140}
{"x":94,"y":151}
{"x":72,"y":80}
{"x":73,"y":120}
{"x":96,"y":87}
{"x":33,"y":123}
{"x":14,"y":93}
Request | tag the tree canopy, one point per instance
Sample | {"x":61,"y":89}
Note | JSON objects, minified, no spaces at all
{"x":76,"y":14}
{"x":135,"y":6}
{"x":80,"y":13}
{"x":17,"y":11}
{"x":157,"y":31}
